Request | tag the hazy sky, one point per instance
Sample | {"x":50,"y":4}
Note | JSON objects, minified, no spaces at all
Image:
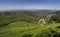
{"x":29,"y":4}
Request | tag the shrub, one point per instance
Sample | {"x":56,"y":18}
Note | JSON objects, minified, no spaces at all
{"x":44,"y":33}
{"x":27,"y":35}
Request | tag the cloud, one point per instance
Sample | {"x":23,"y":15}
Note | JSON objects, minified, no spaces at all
{"x":42,"y":7}
{"x":12,"y":7}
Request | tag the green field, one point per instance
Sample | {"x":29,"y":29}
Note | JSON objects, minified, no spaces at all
{"x":24,"y":29}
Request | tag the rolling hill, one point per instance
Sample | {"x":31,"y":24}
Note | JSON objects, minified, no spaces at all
{"x":24,"y":24}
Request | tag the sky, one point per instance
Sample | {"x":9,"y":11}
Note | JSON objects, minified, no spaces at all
{"x":29,"y":4}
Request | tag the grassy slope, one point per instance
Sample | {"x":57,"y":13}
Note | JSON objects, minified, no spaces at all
{"x":19,"y":29}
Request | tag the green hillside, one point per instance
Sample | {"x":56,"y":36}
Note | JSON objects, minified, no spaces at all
{"x":15,"y":24}
{"x":24,"y":29}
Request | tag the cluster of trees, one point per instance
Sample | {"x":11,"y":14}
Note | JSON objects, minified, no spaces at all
{"x":56,"y":17}
{"x":27,"y":16}
{"x":8,"y":17}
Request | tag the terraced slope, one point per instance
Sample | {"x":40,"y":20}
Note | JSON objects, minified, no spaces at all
{"x":24,"y":29}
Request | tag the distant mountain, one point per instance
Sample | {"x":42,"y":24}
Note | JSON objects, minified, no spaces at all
{"x":35,"y":11}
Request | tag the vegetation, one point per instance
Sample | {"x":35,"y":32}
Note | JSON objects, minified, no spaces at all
{"x":56,"y":17}
{"x":24,"y":24}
